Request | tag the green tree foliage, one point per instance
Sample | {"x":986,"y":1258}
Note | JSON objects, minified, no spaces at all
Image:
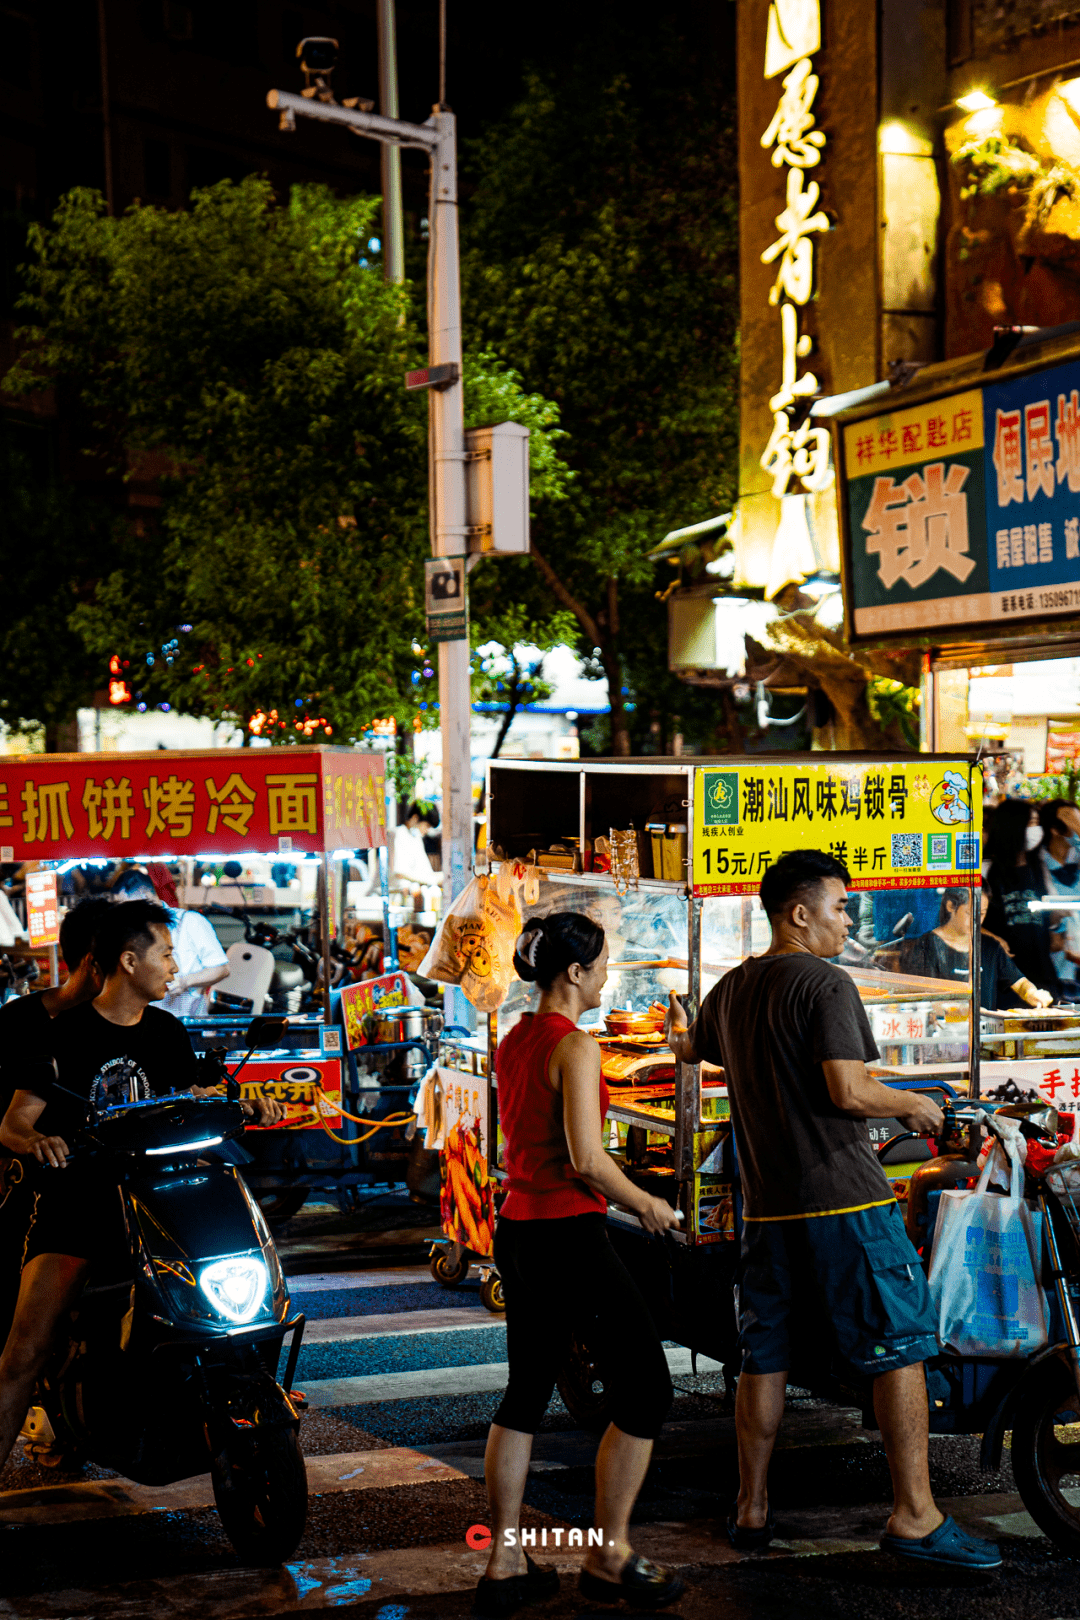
{"x":251,"y":357}
{"x":601,"y":245}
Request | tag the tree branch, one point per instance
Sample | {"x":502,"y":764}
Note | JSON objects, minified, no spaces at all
{"x":613,"y":605}
{"x":581,"y":614}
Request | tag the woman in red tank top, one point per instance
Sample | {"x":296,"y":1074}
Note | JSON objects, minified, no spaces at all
{"x":561,"y":1276}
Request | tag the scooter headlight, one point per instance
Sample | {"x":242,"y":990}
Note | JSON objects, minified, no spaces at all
{"x":235,"y":1287}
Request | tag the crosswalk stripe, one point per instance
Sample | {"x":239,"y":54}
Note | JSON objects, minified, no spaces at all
{"x":411,"y":1386}
{"x":339,"y":1282}
{"x":342,"y":1329}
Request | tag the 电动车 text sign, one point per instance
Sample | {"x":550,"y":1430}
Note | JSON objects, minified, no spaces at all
{"x":297,"y":800}
{"x":906,"y":825}
{"x":966,"y":510}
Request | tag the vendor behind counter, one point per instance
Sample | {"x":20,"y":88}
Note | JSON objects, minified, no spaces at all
{"x":1014,"y":833}
{"x":945,"y":953}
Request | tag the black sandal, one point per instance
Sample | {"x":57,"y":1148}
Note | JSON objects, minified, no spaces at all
{"x":644,"y":1585}
{"x":742,"y":1538}
{"x":497,"y":1598}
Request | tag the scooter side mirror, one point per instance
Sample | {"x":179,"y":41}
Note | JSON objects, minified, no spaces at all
{"x":266,"y":1032}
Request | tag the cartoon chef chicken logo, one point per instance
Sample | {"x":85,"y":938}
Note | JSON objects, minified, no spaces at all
{"x":950,"y":801}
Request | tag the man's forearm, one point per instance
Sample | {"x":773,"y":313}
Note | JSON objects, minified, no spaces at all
{"x":204,"y":977}
{"x":875,"y":1101}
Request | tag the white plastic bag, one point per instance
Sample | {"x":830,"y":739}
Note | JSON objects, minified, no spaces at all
{"x":474,"y":945}
{"x":985,"y":1268}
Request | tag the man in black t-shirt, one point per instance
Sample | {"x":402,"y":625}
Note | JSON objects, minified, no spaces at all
{"x":824,"y":1251}
{"x":115,"y":1048}
{"x":24,"y":1036}
{"x":25,"y":1020}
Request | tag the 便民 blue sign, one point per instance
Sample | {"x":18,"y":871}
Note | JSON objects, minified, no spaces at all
{"x":966,"y":510}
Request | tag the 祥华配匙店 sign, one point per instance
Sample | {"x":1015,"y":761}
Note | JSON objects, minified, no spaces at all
{"x":75,"y":806}
{"x":966,"y":509}
{"x":894,"y":826}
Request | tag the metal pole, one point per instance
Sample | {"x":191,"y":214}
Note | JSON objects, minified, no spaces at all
{"x":390,"y":946}
{"x":446,"y":435}
{"x":393,"y":233}
{"x":448,"y":536}
{"x":442,"y":53}
{"x":324,"y":924}
{"x":688,"y":1075}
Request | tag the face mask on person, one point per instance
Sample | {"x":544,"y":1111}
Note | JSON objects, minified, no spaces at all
{"x":1032,"y":837}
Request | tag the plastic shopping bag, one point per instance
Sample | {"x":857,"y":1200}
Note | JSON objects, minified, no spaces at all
{"x":474,"y":945}
{"x":985,"y":1268}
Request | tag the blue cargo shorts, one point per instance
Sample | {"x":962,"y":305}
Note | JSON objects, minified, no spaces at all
{"x":854,"y":1279}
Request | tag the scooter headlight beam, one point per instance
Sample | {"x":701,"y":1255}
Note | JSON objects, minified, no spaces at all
{"x":187,"y":1147}
{"x":235,"y":1287}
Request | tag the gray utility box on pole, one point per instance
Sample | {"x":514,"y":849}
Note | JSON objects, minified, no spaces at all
{"x":497,"y":489}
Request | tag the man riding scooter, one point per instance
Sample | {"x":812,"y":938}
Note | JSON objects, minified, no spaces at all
{"x":24,"y":1024}
{"x":114,"y":1048}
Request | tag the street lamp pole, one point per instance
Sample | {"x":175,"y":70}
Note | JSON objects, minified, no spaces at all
{"x":446,"y":436}
{"x":393,"y":235}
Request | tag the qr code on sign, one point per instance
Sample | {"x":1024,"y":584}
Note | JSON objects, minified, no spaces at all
{"x":967,"y":853}
{"x":907,"y":851}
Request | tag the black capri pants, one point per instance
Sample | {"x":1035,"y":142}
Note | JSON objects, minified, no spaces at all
{"x":561,"y":1277}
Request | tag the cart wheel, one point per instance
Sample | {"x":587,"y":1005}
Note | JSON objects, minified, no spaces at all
{"x":1046,"y":1452}
{"x":492,"y":1296}
{"x":446,"y":1271}
{"x":581,"y":1383}
{"x":282,"y":1205}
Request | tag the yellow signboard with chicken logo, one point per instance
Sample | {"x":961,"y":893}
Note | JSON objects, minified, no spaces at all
{"x":893,"y":825}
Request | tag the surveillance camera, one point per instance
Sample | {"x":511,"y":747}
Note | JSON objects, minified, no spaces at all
{"x":317,"y":55}
{"x":445,"y":587}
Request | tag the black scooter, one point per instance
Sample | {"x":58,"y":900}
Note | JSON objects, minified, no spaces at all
{"x":169,"y":1365}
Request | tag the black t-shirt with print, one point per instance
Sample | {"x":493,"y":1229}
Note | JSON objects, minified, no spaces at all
{"x":99,"y":1062}
{"x":771,"y":1023}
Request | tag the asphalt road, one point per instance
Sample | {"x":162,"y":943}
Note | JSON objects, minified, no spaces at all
{"x":402,"y":1378}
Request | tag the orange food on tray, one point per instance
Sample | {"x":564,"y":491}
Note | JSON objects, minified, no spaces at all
{"x":629,"y":1069}
{"x":624,"y":1021}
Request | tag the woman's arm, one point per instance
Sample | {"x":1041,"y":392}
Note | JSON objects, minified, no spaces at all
{"x":577,"y":1067}
{"x":18,"y":1133}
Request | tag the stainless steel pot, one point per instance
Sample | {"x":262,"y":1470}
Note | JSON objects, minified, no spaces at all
{"x":405,"y":1024}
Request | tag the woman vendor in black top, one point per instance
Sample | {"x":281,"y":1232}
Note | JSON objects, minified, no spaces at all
{"x":1014,"y":833}
{"x":945,"y":952}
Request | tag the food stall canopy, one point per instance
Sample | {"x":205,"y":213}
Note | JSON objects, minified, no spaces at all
{"x":285,"y":800}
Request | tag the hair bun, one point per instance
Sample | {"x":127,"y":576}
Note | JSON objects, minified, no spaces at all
{"x":526,"y":951}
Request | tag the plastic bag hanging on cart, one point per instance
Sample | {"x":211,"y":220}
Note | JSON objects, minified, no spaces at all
{"x":474,"y":946}
{"x":985,"y":1268}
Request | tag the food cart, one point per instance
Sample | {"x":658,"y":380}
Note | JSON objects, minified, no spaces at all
{"x":316,"y":805}
{"x":667,"y":855}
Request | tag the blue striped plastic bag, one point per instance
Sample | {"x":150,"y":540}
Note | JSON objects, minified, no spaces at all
{"x":985,"y":1268}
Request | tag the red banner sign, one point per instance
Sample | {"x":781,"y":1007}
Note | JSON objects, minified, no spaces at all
{"x":56,"y":807}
